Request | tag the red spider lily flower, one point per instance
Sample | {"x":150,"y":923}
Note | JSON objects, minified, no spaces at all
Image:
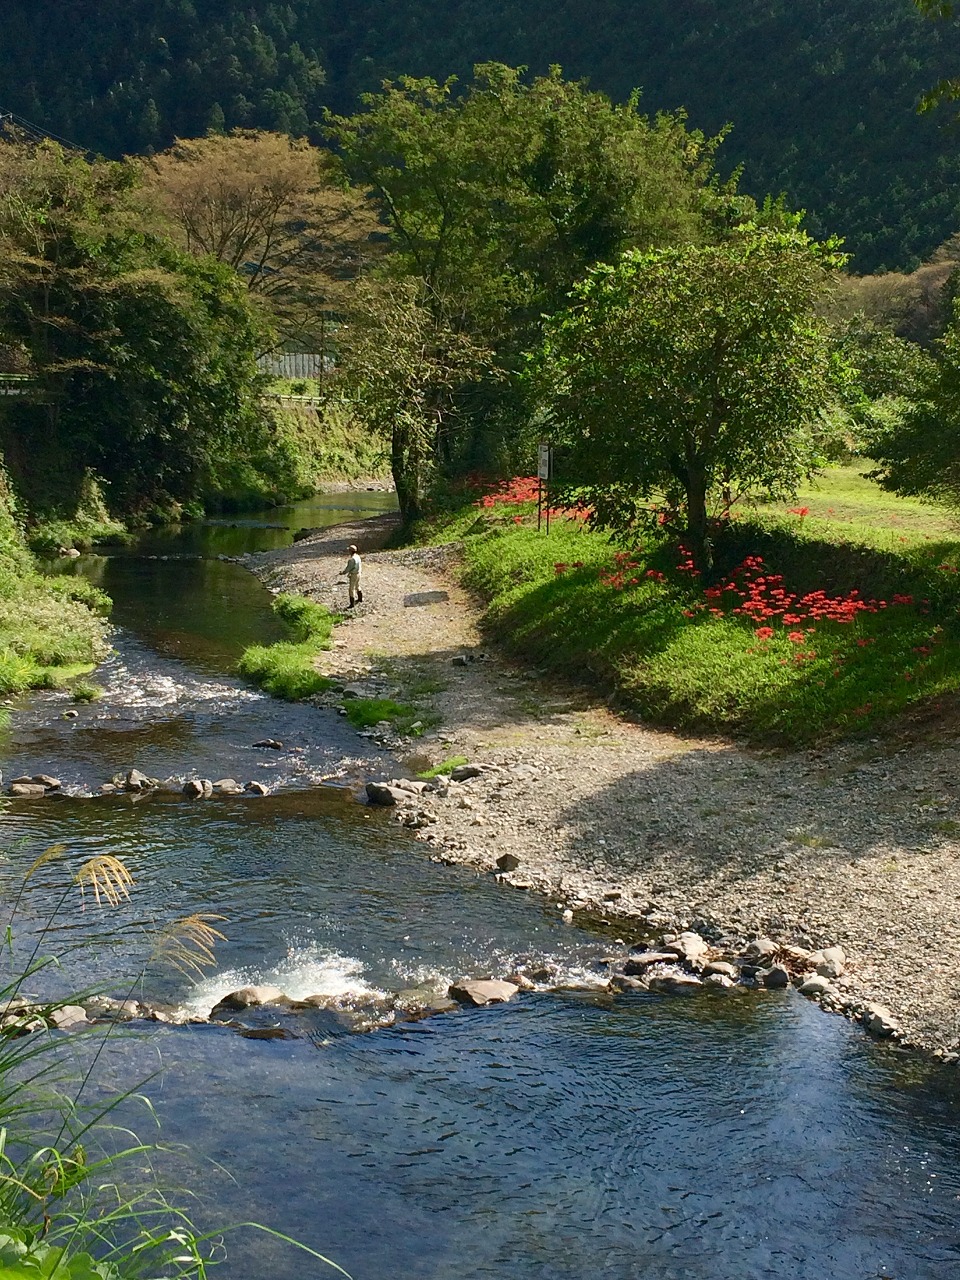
{"x":763,"y":633}
{"x":688,"y":613}
{"x":799,"y":511}
{"x":655,"y":574}
{"x":559,"y":568}
{"x":796,"y":637}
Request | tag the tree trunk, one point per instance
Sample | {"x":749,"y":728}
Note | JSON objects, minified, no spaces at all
{"x":697,"y":528}
{"x":405,"y":466}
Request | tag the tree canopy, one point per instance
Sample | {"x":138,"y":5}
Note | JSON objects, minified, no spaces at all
{"x":688,"y":374}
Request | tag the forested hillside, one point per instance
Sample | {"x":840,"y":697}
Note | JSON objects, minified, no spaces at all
{"x":821,"y":95}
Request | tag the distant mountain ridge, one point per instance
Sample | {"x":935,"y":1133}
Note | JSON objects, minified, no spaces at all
{"x":821,"y":93}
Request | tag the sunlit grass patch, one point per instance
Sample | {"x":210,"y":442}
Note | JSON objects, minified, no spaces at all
{"x":288,"y":669}
{"x":874,"y":627}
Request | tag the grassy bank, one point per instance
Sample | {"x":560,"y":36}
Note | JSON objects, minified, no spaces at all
{"x":814,"y":627}
{"x":51,"y":629}
{"x":328,"y":445}
{"x":287,"y":669}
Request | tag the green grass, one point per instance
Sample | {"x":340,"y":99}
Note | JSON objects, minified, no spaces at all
{"x":364,"y":713}
{"x":288,"y":669}
{"x":446,"y":767}
{"x":85,"y":691}
{"x":710,"y":672}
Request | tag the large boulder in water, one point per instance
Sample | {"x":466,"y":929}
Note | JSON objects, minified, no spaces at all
{"x":483,"y":991}
{"x":249,"y":998}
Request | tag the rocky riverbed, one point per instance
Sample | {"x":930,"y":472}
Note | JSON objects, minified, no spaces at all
{"x":854,"y":846}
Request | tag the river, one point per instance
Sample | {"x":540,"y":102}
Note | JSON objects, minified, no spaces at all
{"x":566,"y":1135}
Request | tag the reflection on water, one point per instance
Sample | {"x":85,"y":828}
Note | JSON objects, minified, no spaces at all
{"x":566,"y":1135}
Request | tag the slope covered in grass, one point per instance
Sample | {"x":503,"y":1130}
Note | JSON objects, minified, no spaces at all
{"x":811,"y":628}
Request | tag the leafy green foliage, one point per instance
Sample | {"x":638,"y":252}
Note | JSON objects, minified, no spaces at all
{"x":690,"y":374}
{"x":142,"y":359}
{"x":919,"y":452}
{"x":444,"y":768}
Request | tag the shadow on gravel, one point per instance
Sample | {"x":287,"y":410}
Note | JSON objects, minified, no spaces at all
{"x":722,"y":815}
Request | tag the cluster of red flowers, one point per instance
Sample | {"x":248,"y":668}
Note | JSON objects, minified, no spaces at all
{"x":521,"y":491}
{"x":511,"y":493}
{"x":620,"y":576}
{"x":764,"y":600}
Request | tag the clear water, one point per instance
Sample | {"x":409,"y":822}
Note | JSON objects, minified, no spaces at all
{"x":563,"y":1136}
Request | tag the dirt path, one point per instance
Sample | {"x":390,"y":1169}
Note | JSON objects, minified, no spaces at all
{"x":855,"y":846}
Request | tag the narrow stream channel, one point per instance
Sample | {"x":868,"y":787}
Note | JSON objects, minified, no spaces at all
{"x":564,"y":1136}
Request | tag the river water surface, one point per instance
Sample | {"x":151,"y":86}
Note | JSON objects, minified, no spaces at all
{"x":563,"y":1136}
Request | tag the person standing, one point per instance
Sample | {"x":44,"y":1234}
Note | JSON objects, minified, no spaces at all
{"x":353,"y":569}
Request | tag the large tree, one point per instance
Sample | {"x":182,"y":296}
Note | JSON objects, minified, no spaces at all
{"x":688,"y":373}
{"x":276,"y":210}
{"x":500,"y":195}
{"x":142,"y":358}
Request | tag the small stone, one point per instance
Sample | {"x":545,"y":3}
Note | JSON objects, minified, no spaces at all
{"x":27,"y":790}
{"x":816,"y":986}
{"x":193,"y":789}
{"x":227,"y":787}
{"x":721,"y":968}
{"x":355,"y":691}
{"x":776,"y":978}
{"x":269,"y":744}
{"x":68,"y":1016}
{"x":680,"y":984}
{"x":70,"y":714}
{"x":257,"y":789}
{"x":483,"y":991}
{"x":718,"y":982}
{"x":45,"y":780}
{"x":383,"y":794}
{"x":461,"y":772}
{"x":762,"y":948}
{"x":108,"y":788}
{"x":829,"y":962}
{"x":137,"y":781}
{"x":689,"y":946}
{"x":624,"y":982}
{"x":507,"y":862}
{"x":567,"y":916}
{"x":879,"y":1021}
{"x":460,"y":660}
{"x":251,"y":997}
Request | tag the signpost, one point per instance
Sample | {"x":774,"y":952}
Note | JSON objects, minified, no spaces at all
{"x":544,"y":472}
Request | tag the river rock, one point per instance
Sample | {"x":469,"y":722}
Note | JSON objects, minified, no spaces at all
{"x":690,"y":947}
{"x":776,"y":978}
{"x":269,"y":744}
{"x":355,"y":691}
{"x":110,"y":788}
{"x":45,"y":780}
{"x":112,"y":1008}
{"x":193,"y":789}
{"x":67,"y":1017}
{"x":624,"y":982}
{"x":250,"y":998}
{"x":507,"y":862}
{"x":137,"y":781}
{"x":721,"y":968}
{"x":482,"y":991}
{"x":761,"y":949}
{"x":382,"y":793}
{"x":675,"y":984}
{"x":461,"y":772}
{"x":27,"y":790}
{"x":718,"y":982}
{"x":257,"y":788}
{"x":413,"y":785}
{"x":879,"y":1021}
{"x":816,"y":985}
{"x":642,"y":962}
{"x":21,"y":1025}
{"x":830,"y":962}
{"x":227,"y":787}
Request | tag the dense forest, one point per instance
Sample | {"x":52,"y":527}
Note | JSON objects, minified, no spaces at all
{"x":822,"y":96}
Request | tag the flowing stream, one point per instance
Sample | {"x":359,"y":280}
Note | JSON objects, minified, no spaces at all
{"x":564,"y":1136}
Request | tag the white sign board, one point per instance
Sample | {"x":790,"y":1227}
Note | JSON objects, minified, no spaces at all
{"x":544,"y":459}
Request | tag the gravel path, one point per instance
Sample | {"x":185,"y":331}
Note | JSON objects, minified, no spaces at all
{"x":855,"y":846}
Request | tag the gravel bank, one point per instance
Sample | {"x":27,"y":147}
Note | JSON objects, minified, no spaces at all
{"x":855,"y":846}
